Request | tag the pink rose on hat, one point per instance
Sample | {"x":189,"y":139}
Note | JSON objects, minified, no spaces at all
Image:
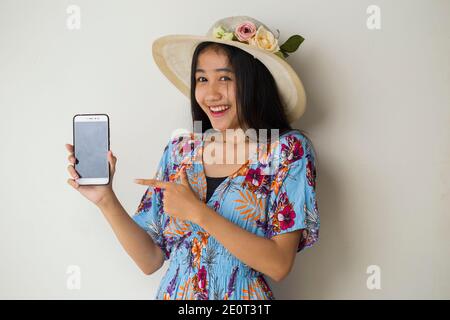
{"x":245,"y":31}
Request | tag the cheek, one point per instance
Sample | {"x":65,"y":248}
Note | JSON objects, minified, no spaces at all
{"x":197,"y":96}
{"x":200,"y":97}
{"x":234,"y":114}
{"x":199,"y":93}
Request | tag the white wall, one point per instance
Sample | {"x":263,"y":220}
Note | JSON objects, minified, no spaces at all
{"x":378,"y":114}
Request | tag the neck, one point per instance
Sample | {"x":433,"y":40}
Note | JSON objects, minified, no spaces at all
{"x":233,"y":137}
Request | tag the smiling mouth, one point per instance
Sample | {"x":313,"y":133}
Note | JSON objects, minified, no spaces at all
{"x":218,"y":111}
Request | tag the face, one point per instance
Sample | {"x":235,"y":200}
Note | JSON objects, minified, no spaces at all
{"x":215,"y":89}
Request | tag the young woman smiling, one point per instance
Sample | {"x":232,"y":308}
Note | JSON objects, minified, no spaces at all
{"x":224,"y":225}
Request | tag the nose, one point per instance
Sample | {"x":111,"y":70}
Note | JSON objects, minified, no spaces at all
{"x":213,"y":92}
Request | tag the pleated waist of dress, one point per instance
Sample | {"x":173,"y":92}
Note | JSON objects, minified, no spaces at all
{"x":215,"y":260}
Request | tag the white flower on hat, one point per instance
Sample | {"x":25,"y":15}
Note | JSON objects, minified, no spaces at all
{"x":264,"y":39}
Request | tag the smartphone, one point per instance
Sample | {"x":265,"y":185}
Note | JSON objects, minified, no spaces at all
{"x":91,"y":146}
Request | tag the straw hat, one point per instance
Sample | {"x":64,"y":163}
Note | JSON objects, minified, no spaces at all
{"x":173,"y":55}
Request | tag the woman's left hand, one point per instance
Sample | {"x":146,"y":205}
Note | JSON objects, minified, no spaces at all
{"x":180,"y":201}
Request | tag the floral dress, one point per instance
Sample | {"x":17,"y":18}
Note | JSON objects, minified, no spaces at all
{"x":273,"y":193}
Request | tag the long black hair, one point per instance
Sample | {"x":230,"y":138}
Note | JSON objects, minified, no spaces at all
{"x":259,"y":105}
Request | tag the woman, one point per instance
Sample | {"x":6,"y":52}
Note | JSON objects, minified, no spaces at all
{"x":223,"y":224}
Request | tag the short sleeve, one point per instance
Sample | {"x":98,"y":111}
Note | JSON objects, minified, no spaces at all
{"x":293,"y":203}
{"x":149,"y":214}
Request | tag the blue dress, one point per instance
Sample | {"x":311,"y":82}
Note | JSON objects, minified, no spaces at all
{"x":273,"y":193}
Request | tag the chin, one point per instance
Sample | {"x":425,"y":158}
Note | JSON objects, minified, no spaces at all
{"x":222,"y":124}
{"x":220,"y":127}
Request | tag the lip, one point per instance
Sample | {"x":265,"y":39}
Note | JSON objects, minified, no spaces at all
{"x":218,"y":114}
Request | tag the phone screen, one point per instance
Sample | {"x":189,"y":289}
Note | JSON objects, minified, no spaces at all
{"x":91,"y":145}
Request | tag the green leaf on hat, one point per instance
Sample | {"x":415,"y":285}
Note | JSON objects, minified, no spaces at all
{"x":282,"y":54}
{"x":292,"y":43}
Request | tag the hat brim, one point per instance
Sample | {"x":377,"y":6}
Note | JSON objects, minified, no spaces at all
{"x":173,"y":56}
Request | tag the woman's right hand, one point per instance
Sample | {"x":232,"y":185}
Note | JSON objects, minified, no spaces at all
{"x":95,"y":194}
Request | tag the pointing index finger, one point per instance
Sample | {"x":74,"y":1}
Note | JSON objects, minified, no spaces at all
{"x":152,"y":182}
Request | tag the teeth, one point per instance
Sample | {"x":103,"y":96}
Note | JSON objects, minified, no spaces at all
{"x":219,"y":108}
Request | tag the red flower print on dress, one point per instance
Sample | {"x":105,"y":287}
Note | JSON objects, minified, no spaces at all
{"x":216,"y":205}
{"x":286,"y":217}
{"x":199,"y":284}
{"x":292,"y":151}
{"x":202,"y":278}
{"x":257,"y":182}
{"x":311,"y":172}
{"x":254,"y":177}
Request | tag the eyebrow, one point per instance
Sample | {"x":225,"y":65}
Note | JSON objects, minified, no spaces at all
{"x":217,"y":70}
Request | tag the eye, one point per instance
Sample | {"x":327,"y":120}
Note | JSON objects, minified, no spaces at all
{"x":223,"y":77}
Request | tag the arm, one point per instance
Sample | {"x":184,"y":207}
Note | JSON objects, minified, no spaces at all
{"x":273,"y":257}
{"x":136,"y":242}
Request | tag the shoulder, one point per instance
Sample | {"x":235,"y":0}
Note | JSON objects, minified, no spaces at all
{"x":181,"y":145}
{"x":297,"y":156}
{"x":295,"y":146}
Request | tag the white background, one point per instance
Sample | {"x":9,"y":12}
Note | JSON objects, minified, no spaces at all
{"x":378,"y":113}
